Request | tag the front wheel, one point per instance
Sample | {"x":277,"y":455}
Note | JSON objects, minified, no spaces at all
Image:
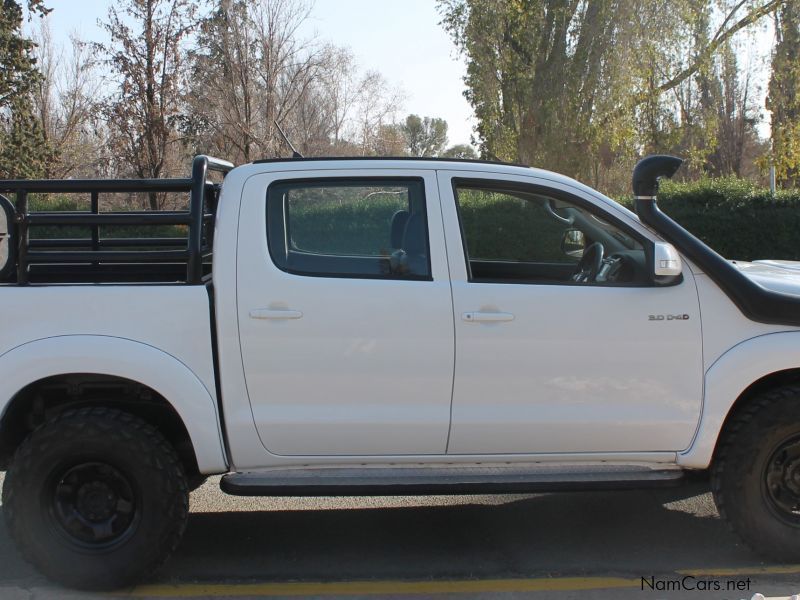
{"x":755,"y":477}
{"x":96,"y":499}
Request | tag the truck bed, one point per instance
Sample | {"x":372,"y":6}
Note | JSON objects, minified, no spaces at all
{"x":175,"y":319}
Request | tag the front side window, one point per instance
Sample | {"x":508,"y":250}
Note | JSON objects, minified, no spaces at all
{"x":519,"y":235}
{"x":363,"y":228}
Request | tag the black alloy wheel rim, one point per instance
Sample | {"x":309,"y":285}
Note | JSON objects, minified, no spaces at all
{"x":93,"y":505}
{"x":782,"y":481}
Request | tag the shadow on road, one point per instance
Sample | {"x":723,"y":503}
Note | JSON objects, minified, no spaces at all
{"x":626,"y":533}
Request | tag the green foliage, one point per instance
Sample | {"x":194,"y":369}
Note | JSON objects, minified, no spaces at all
{"x":737,"y":218}
{"x":501,"y":227}
{"x":70,"y":202}
{"x":24,"y":152}
{"x":734,"y":216}
{"x":497,"y":226}
{"x":19,"y":74}
{"x":425,"y":136}
{"x":784,"y":95}
{"x":582,"y":87}
{"x":460,"y":151}
{"x":346,"y":221}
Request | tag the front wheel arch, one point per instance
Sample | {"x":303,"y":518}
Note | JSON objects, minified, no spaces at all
{"x":751,"y":366}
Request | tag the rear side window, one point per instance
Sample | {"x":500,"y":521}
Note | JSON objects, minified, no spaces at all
{"x":363,"y":228}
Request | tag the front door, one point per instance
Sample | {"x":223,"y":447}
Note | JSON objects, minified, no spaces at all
{"x":564,"y":343}
{"x":345,"y":313}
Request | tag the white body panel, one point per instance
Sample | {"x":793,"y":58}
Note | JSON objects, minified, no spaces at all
{"x":580,"y":368}
{"x":577,"y":376}
{"x":159,"y":336}
{"x":737,"y":353}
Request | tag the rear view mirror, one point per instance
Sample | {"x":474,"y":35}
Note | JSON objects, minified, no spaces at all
{"x":6,"y":237}
{"x":573,"y":243}
{"x":667,"y":260}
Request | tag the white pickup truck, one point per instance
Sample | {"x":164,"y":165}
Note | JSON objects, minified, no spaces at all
{"x":374,"y":327}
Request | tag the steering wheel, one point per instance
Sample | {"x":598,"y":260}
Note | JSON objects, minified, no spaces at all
{"x":589,"y":266}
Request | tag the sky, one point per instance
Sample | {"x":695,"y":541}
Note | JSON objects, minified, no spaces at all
{"x":403,"y":41}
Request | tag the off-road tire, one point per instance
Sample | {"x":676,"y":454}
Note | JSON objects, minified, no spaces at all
{"x":744,"y":456}
{"x":137,"y":453}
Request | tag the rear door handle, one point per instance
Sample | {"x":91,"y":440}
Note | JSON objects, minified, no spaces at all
{"x":267,"y":313}
{"x":486,"y":317}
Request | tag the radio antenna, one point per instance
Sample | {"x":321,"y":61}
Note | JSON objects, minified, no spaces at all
{"x":295,"y":153}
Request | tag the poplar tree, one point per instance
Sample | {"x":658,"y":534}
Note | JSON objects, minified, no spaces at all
{"x":783,"y":99}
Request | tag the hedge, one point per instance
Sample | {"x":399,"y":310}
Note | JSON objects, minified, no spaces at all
{"x":735,"y":217}
{"x":72,"y":202}
{"x":496,"y":226}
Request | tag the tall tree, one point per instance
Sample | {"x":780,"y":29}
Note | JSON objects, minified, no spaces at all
{"x":24,"y":152}
{"x":783,"y":99}
{"x":67,"y":106}
{"x":425,"y":136}
{"x":737,"y":139}
{"x":147,"y":54}
{"x":572,"y":85}
{"x":251,"y":68}
{"x":223,"y":110}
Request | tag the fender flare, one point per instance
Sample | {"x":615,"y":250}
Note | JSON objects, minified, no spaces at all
{"x":125,"y":358}
{"x":726,"y":380}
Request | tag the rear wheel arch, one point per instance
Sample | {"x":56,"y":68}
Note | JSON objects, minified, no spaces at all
{"x":84,"y":370}
{"x":48,"y":397}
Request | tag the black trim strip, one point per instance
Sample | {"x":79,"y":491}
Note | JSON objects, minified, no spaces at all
{"x":217,"y":380}
{"x":237,"y":484}
{"x":431,"y":159}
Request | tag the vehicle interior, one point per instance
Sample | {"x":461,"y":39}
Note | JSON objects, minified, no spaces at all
{"x":361,"y":229}
{"x":523,"y":237}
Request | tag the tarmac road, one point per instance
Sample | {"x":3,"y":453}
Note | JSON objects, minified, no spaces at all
{"x":562,"y":546}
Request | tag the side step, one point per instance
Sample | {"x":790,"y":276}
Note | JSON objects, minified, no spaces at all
{"x":419,"y":481}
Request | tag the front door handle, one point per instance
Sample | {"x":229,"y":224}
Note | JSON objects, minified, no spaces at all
{"x":487,"y":317}
{"x":268,"y":313}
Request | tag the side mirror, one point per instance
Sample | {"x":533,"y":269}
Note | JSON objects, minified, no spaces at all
{"x":7,"y":248}
{"x":573,"y":243}
{"x":667,"y":260}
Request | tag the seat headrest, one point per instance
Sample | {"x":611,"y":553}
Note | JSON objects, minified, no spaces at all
{"x":399,"y":220}
{"x":414,"y":237}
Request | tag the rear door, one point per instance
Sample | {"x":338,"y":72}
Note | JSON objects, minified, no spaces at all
{"x":345,"y":312}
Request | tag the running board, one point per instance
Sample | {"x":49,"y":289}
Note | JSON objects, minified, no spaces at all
{"x":419,"y":481}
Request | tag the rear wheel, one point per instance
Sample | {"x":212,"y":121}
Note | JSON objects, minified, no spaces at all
{"x":96,"y":499}
{"x":756,"y":474}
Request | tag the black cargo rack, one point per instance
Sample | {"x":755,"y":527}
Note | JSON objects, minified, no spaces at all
{"x":184,"y":259}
